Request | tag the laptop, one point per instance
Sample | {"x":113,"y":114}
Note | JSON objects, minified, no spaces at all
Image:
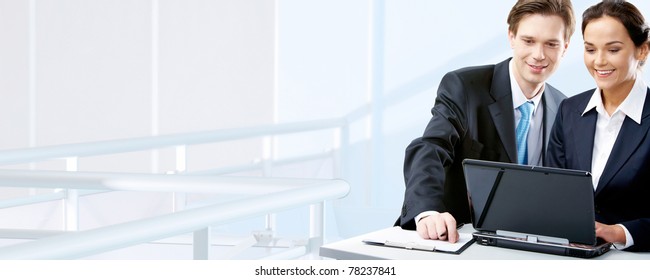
{"x":533,"y":208}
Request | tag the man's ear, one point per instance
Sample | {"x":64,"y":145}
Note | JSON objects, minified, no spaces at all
{"x":511,"y":38}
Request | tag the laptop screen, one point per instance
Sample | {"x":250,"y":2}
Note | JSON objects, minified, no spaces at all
{"x":531,"y":200}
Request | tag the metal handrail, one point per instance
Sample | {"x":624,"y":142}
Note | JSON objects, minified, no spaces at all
{"x":39,"y":198}
{"x":286,"y":193}
{"x":35,"y":154}
{"x":108,"y":181}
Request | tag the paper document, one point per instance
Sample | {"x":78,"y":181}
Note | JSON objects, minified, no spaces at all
{"x":409,"y":239}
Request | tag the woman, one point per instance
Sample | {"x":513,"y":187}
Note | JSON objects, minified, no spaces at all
{"x":607,"y":130}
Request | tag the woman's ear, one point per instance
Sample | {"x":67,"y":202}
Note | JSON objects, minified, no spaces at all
{"x":642,"y":53}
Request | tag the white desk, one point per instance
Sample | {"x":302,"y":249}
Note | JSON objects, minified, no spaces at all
{"x":355,"y":249}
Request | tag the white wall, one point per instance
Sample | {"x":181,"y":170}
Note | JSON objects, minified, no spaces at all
{"x":14,"y":74}
{"x":75,"y":71}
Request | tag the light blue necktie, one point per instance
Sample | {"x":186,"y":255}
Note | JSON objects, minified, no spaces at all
{"x":521,"y":133}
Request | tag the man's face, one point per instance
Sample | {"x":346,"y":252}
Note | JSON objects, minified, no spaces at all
{"x":538,"y":46}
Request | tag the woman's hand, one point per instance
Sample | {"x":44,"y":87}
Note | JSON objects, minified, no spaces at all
{"x":610,"y":233}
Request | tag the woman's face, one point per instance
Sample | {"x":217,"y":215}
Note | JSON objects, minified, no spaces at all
{"x":610,"y":55}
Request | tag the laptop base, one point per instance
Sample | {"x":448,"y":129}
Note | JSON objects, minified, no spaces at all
{"x":571,"y":250}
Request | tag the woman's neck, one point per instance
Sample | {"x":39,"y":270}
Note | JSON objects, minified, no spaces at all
{"x":612,"y":98}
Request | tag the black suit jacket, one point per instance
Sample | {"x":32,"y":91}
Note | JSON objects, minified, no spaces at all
{"x":623,"y":192}
{"x":473,"y":117}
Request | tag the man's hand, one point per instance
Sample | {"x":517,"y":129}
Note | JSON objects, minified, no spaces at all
{"x":610,"y":233}
{"x":439,"y":226}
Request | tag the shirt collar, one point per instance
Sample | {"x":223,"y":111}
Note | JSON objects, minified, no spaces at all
{"x":518,"y":97}
{"x":632,"y":106}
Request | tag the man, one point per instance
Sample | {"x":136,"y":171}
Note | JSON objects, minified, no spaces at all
{"x":501,"y":112}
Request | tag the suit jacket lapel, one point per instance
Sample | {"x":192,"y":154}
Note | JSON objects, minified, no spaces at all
{"x":583,"y":136}
{"x":629,"y":138}
{"x":502,"y":111}
{"x":550,"y":111}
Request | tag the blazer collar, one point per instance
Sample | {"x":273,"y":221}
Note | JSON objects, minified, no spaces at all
{"x":550,"y":103}
{"x":583,"y":134}
{"x":503,"y":115}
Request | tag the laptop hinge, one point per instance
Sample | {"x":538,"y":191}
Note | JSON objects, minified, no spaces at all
{"x":533,"y":238}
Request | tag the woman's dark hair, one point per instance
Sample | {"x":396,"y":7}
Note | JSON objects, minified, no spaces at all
{"x":624,"y":12}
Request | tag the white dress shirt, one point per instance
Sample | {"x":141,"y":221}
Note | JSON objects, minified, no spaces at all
{"x":607,"y":129}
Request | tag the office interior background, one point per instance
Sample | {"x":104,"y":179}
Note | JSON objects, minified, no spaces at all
{"x":79,"y":71}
